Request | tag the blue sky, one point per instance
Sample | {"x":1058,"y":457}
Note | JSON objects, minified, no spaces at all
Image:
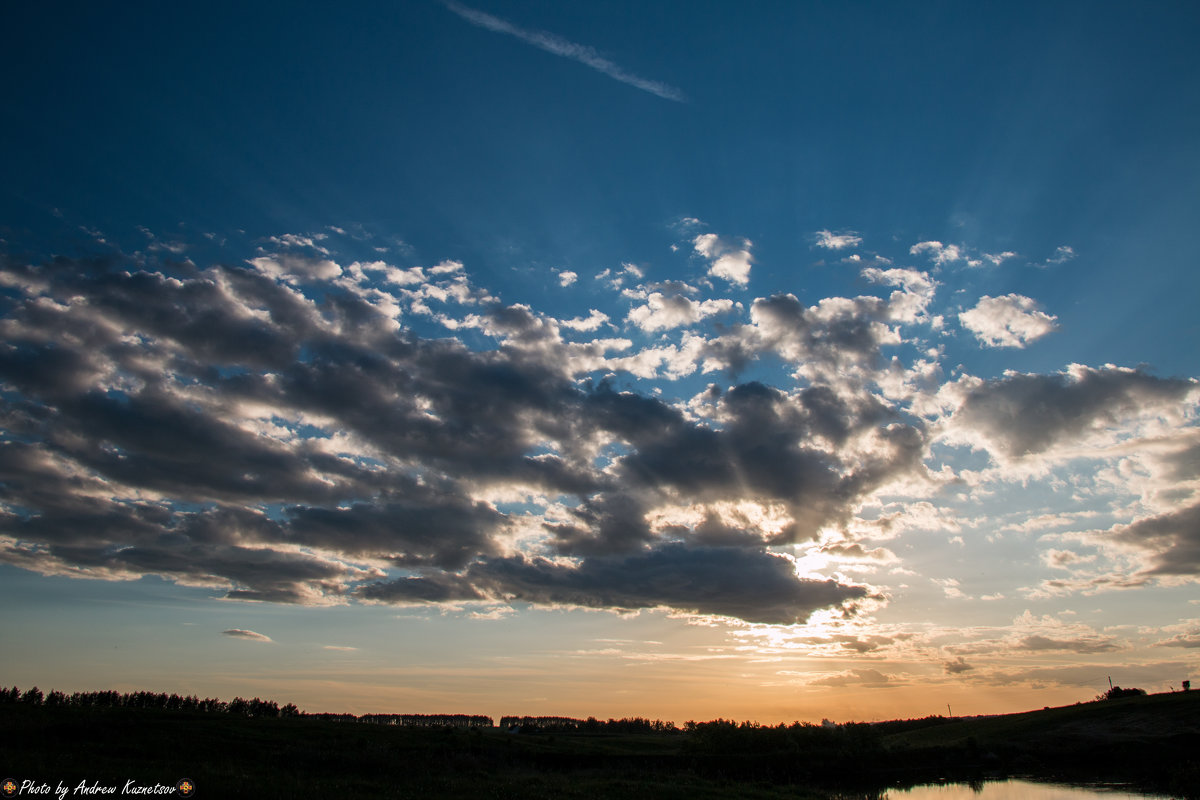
{"x":766,"y":361}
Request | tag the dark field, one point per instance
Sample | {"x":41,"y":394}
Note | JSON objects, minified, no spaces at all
{"x":1152,"y":741}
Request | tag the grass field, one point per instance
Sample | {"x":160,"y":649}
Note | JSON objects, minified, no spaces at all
{"x":1150,"y":740}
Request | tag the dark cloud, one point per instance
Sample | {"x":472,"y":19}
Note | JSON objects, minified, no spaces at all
{"x":774,"y":447}
{"x":957,"y":667}
{"x":1184,"y":465}
{"x":1026,"y":414}
{"x":856,"y":677}
{"x":840,"y":334}
{"x":1188,"y":640}
{"x":1171,"y":540}
{"x":239,"y":633}
{"x":1085,"y":644}
{"x":270,"y":430}
{"x":755,"y":586}
{"x":420,"y":525}
{"x":866,"y":644}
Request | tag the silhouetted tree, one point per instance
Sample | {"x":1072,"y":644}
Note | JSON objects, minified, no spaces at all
{"x":1116,"y":693}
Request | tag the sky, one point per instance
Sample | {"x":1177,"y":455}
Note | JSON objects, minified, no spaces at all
{"x":770,"y":361}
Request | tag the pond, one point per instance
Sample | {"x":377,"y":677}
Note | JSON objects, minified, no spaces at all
{"x":1015,"y":790}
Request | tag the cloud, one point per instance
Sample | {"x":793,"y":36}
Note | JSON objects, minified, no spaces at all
{"x":301,"y":241}
{"x":1171,"y":540}
{"x":1061,"y":255}
{"x":559,"y":46}
{"x":290,"y":430}
{"x":1012,"y":320}
{"x":855,"y":677}
{"x":728,"y":259}
{"x":837,"y":339}
{"x":665,"y":311}
{"x":566,"y":277}
{"x":836,"y":241}
{"x":294,"y":267}
{"x":238,"y":633}
{"x":275,"y":436}
{"x":733,"y":582}
{"x":1025,"y":414}
{"x":940,"y":253}
{"x":1187,"y":640}
{"x":997,"y":259}
{"x":1090,"y":644}
{"x":1065,"y":559}
{"x":593,"y":321}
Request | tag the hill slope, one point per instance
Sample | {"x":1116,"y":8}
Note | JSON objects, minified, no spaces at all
{"x":1154,"y":740}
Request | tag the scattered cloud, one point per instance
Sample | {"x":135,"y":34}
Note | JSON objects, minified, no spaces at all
{"x":1061,"y":255}
{"x":663,"y":311}
{"x":1188,"y":640}
{"x":1021,"y":415}
{"x":957,"y":667}
{"x":1012,"y":320}
{"x":729,"y":259}
{"x":836,"y":241}
{"x":854,"y":677}
{"x":592,"y":322}
{"x":276,"y":429}
{"x":1171,"y":540}
{"x":940,"y":253}
{"x":238,"y":633}
{"x":566,"y":277}
{"x":996,"y":259}
{"x":1090,"y":644}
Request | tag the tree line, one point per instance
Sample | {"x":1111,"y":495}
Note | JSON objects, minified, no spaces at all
{"x":589,"y":725}
{"x":238,"y":706}
{"x":427,"y":720}
{"x":256,"y":707}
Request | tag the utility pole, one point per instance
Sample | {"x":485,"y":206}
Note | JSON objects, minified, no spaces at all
{"x":948,"y":711}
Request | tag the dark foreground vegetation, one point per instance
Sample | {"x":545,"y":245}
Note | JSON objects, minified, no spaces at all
{"x":254,"y":748}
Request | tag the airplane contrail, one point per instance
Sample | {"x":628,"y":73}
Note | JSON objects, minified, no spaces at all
{"x":559,"y":46}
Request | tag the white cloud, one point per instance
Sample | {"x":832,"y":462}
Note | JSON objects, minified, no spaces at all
{"x":940,"y":253}
{"x":300,"y":240}
{"x":1012,"y":320}
{"x":239,"y":633}
{"x":591,"y":322}
{"x":293,"y":268}
{"x":728,"y":259}
{"x":448,"y":267}
{"x":999,"y":258}
{"x":917,"y":291}
{"x":837,"y":241}
{"x":566,"y":277}
{"x":616,"y":279}
{"x":1061,"y":255}
{"x":662,"y":312}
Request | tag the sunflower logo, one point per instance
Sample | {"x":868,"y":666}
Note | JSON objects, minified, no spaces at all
{"x":9,"y":788}
{"x":185,"y":788}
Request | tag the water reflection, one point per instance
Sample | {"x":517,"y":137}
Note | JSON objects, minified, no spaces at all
{"x":1009,"y":790}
